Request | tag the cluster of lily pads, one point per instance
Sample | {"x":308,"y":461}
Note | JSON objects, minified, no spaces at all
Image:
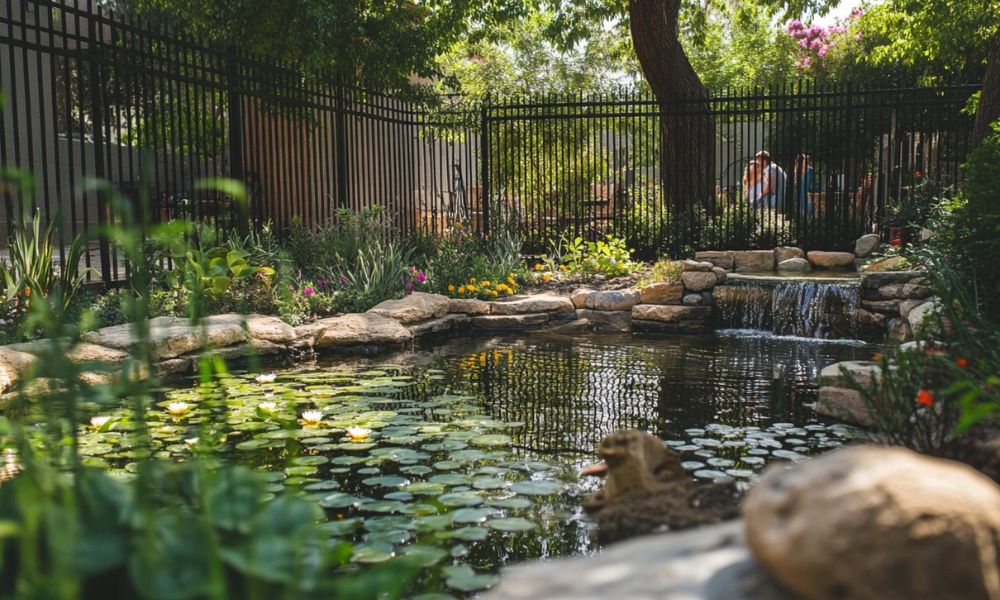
{"x":719,"y":452}
{"x":400,"y":469}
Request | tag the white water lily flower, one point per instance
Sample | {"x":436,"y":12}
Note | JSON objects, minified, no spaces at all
{"x":98,"y":422}
{"x":312,"y":417}
{"x":266,"y":377}
{"x":178,"y":408}
{"x":191,"y":441}
{"x":358,"y":434}
{"x":268,"y":407}
{"x":269,"y":395}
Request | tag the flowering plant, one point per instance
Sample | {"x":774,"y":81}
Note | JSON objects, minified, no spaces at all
{"x":815,"y":42}
{"x":483,"y":288}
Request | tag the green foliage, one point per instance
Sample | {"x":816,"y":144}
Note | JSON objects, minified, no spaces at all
{"x":337,"y":245}
{"x":32,"y":268}
{"x":914,"y":207}
{"x":610,"y":256}
{"x":379,"y":272}
{"x":662,"y":271}
{"x":462,"y":256}
{"x":198,"y":529}
{"x":967,"y":227}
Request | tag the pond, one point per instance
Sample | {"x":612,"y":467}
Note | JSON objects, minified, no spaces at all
{"x":465,"y":455}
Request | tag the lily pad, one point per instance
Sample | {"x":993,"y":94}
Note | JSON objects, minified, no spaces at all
{"x":374,"y":552}
{"x":423,"y":556}
{"x":464,"y":579}
{"x":542,"y":487}
{"x":511,"y":524}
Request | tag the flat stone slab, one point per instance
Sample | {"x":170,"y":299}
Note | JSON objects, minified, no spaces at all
{"x":80,"y":353}
{"x":719,"y":258}
{"x":610,"y":300}
{"x":751,"y":261}
{"x":272,"y":329}
{"x":468,"y":306}
{"x":708,"y":563}
{"x":877,"y":279}
{"x":361,"y":329}
{"x":670,"y":313}
{"x":439,"y":325}
{"x":662,"y":293}
{"x":174,"y":336}
{"x":524,"y":305}
{"x":414,"y":308}
{"x":506,"y":322}
{"x":607,"y":320}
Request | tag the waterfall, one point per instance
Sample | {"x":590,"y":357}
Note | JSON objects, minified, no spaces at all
{"x":797,"y":308}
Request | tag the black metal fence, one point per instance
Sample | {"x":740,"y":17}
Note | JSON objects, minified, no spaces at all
{"x":94,"y":95}
{"x":846,"y":161}
{"x":90,"y":94}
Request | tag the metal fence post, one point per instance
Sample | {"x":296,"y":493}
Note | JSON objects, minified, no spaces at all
{"x":484,"y":158}
{"x":340,"y":126}
{"x":237,"y":169}
{"x":100,"y":167}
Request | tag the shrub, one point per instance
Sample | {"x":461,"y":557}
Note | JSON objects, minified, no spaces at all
{"x":464,"y":258}
{"x":663,"y":271}
{"x":337,"y":245}
{"x":610,"y":257}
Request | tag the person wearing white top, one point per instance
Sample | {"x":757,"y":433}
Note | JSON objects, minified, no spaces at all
{"x":774,"y":179}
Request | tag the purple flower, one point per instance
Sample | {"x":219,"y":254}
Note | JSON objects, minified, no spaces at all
{"x":804,"y":43}
{"x":822,"y":51}
{"x":308,"y":291}
{"x":344,"y":280}
{"x":409,"y":287}
{"x":421,"y":277}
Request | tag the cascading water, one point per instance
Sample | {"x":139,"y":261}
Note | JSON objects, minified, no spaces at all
{"x":811,"y":309}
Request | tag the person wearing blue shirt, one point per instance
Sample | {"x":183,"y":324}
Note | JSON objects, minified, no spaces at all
{"x":775,"y":180}
{"x":805,"y":183}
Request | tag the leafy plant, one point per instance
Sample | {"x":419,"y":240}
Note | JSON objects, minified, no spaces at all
{"x":32,"y":266}
{"x":198,"y":529}
{"x":662,"y":271}
{"x":610,"y":256}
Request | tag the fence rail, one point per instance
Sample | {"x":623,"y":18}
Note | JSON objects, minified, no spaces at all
{"x":90,"y":94}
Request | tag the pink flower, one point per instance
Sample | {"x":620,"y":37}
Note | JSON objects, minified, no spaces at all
{"x":409,"y":287}
{"x":857,"y":36}
{"x":344,"y":280}
{"x":308,"y":291}
{"x":822,"y":51}
{"x":421,"y":277}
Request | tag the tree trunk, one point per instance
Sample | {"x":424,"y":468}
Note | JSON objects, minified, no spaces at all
{"x":989,"y":98}
{"x":687,"y":135}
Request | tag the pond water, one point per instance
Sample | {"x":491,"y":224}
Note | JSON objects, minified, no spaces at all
{"x":474,"y":446}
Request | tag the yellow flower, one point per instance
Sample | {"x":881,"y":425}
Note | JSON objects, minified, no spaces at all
{"x":563,"y":268}
{"x":461,"y":290}
{"x":546,"y":278}
{"x":472,"y":280}
{"x":510,"y":281}
{"x":485,"y":284}
{"x":451,"y":288}
{"x":472,"y":289}
{"x":538,"y":266}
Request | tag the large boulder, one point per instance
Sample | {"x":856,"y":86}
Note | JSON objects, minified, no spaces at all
{"x":523,"y":305}
{"x":698,"y":281}
{"x":866,"y":244}
{"x":13,"y":364}
{"x":662,"y":293}
{"x":877,"y":523}
{"x":783,"y":253}
{"x":794,"y":265}
{"x":361,"y":329}
{"x":413,"y":308}
{"x":751,"y":261}
{"x":831,"y":260}
{"x":695,"y":265}
{"x":919,"y":316}
{"x":608,"y":321}
{"x":82,"y":352}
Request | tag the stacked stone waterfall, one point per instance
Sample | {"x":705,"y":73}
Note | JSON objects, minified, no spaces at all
{"x":679,"y":307}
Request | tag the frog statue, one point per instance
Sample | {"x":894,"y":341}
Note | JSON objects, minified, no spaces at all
{"x":646,"y":490}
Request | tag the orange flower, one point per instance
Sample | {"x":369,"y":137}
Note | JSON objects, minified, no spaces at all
{"x":925,"y":398}
{"x":546,"y":278}
{"x":538,"y":266}
{"x":876,"y":357}
{"x":962,"y":362}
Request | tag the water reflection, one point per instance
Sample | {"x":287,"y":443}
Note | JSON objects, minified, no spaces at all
{"x":570,"y":392}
